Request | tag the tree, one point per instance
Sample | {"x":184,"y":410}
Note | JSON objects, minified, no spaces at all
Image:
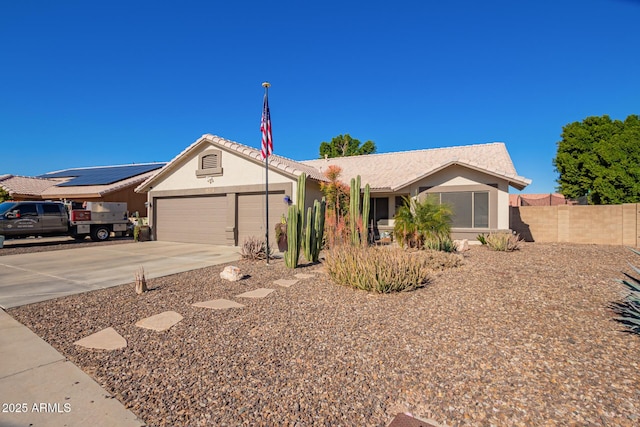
{"x":344,"y":145}
{"x":600,"y":158}
{"x":4,"y":195}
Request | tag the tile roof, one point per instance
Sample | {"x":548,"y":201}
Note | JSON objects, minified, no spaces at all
{"x":93,"y":190}
{"x":283,"y":164}
{"x":392,"y":171}
{"x":59,"y":186}
{"x":101,"y":175}
{"x":25,"y":185}
{"x":385,"y":171}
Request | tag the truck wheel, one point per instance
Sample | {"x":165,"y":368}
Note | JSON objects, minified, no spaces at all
{"x":100,"y":234}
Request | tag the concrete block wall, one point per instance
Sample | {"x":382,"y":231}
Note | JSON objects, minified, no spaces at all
{"x":599,"y":224}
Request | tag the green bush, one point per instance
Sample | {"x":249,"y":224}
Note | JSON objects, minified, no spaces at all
{"x":384,"y":270}
{"x":420,"y":222}
{"x":482,"y":239}
{"x":503,"y":241}
{"x":629,"y":309}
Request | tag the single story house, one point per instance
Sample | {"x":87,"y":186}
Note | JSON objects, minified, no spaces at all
{"x":214,"y":190}
{"x":92,"y":184}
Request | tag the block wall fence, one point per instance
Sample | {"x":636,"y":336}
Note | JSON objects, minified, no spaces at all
{"x":599,"y":224}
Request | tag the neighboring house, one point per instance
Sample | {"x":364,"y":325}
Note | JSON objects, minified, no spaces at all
{"x":93,"y":184}
{"x":554,"y":199}
{"x":213,"y":192}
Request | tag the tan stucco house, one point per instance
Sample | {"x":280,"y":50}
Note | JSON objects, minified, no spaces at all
{"x":213,"y":191}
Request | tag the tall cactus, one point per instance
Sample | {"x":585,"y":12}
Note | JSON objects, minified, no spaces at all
{"x":292,"y":254}
{"x":300,"y":203}
{"x":319,"y":209}
{"x":366,"y":207}
{"x":308,"y":235}
{"x":354,"y":210}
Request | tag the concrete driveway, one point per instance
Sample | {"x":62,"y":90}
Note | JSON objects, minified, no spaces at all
{"x":34,"y":277}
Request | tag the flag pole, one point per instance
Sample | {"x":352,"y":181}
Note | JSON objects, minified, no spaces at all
{"x":266,"y":85}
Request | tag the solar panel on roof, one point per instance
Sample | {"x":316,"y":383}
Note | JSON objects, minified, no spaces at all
{"x":100,"y":175}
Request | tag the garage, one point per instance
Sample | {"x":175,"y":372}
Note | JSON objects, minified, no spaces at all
{"x":251,"y":215}
{"x":191,"y":219}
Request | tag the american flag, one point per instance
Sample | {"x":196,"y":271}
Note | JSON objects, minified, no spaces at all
{"x":265,"y":127}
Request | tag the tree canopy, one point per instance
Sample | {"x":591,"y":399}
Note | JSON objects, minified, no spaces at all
{"x":344,"y":145}
{"x":600,"y":158}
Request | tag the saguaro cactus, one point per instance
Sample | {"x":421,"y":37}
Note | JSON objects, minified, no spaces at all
{"x":300,"y":203}
{"x":366,"y":208}
{"x":292,"y":254}
{"x":354,"y":210}
{"x":314,"y":230}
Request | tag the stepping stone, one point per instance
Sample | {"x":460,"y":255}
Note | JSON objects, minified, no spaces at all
{"x":286,"y":282}
{"x":106,"y":339}
{"x":305,"y":276}
{"x":258,"y":293}
{"x":160,"y":322}
{"x":218,"y":304}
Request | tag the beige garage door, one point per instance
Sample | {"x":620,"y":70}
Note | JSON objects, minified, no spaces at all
{"x":251,"y":215}
{"x":191,"y":219}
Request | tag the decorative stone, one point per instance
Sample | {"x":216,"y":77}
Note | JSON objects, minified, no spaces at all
{"x":160,"y":322}
{"x":258,"y":293}
{"x":106,"y":339}
{"x":231,"y":273}
{"x":218,"y":304}
{"x":461,"y":245}
{"x":286,"y":282}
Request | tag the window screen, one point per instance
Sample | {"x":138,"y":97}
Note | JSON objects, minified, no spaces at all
{"x":461,"y":205}
{"x":481,"y":210}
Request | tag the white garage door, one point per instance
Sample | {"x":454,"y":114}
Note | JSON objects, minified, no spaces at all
{"x":191,"y":219}
{"x":251,"y":215}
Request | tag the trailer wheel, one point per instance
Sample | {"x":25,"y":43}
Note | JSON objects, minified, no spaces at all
{"x":100,"y":234}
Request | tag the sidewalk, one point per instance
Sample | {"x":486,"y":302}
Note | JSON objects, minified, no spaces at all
{"x":39,"y":387}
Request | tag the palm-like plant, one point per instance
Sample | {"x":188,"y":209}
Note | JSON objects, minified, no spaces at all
{"x":420,"y":222}
{"x":629,"y":310}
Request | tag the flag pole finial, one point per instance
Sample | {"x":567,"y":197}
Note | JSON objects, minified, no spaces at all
{"x":266,"y":84}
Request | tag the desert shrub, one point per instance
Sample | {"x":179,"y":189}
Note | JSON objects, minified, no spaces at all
{"x":383,"y":270}
{"x":629,"y":309}
{"x":503,"y":241}
{"x":254,"y":249}
{"x":482,"y":239}
{"x":422,"y":223}
{"x":444,"y":244}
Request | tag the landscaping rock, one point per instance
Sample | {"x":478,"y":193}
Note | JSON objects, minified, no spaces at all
{"x":231,"y":273}
{"x":461,"y":245}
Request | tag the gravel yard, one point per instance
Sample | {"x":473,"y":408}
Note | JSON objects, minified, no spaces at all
{"x":507,"y":339}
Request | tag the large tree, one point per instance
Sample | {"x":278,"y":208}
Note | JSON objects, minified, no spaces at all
{"x":344,"y":145}
{"x":600,"y":158}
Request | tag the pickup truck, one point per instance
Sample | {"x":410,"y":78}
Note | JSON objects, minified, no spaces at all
{"x":95,"y":219}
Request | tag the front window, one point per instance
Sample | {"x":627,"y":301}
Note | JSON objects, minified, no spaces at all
{"x":470,"y":208}
{"x":6,"y":207}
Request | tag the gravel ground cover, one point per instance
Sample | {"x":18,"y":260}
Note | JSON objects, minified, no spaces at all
{"x":507,"y":339}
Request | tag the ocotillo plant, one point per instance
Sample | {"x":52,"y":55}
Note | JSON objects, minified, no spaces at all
{"x":293,"y":237}
{"x":354,"y":210}
{"x":366,"y":207}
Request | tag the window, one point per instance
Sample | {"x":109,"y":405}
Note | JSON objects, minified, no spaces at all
{"x":28,"y":210}
{"x":51,"y":209}
{"x":470,"y":208}
{"x":209,"y":163}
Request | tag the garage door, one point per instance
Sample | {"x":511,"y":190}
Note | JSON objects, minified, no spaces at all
{"x":251,"y":215}
{"x":191,"y":219}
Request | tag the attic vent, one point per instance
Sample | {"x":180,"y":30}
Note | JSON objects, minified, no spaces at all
{"x":210,"y":161}
{"x":209,"y":164}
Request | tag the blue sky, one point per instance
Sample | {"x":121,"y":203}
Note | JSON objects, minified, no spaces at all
{"x":87,"y":83}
